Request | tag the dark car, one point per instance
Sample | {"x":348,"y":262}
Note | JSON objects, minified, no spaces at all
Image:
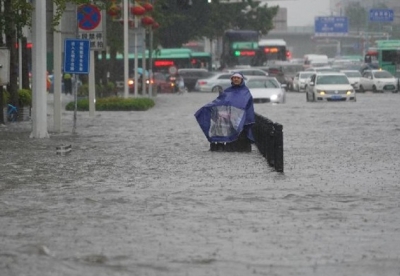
{"x":191,"y":75}
{"x":161,"y":83}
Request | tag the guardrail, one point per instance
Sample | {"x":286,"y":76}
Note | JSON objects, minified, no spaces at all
{"x":269,"y":141}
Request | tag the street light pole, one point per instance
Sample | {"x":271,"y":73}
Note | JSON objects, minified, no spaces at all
{"x":126,"y":50}
{"x":39,"y":91}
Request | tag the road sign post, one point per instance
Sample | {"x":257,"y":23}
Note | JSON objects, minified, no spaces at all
{"x":92,"y":26}
{"x":381,"y":15}
{"x":76,"y":61}
{"x":331,"y":26}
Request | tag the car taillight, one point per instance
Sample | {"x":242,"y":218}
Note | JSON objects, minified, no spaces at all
{"x":202,"y":82}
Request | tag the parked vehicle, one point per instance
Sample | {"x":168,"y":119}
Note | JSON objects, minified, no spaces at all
{"x":378,"y":81}
{"x":265,"y":90}
{"x":330,"y":86}
{"x":300,"y":80}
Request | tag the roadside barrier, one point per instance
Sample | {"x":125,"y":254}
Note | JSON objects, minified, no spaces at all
{"x":269,"y":141}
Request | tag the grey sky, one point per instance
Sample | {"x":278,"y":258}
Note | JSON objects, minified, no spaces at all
{"x":302,"y":12}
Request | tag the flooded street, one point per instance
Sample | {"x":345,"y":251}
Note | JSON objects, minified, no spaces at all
{"x":140,"y":194}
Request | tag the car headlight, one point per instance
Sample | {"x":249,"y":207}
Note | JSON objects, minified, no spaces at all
{"x":321,"y":92}
{"x":349,"y":92}
{"x":274,"y":97}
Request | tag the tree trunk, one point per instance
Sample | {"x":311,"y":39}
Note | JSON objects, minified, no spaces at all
{"x":26,"y":60}
{"x":11,"y":41}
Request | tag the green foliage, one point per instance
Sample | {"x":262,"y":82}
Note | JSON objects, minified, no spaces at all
{"x":6,"y":97}
{"x":114,"y":104}
{"x":209,"y":20}
{"x":25,"y":97}
{"x":83,"y":90}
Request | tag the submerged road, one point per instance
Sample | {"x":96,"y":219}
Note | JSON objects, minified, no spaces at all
{"x":140,"y":194}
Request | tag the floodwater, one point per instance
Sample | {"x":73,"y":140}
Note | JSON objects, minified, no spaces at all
{"x":140,"y":194}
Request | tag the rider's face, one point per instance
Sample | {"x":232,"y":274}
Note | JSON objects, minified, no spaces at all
{"x":236,"y":80}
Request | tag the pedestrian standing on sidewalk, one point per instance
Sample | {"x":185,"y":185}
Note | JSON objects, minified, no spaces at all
{"x":67,"y":79}
{"x":227,"y":121}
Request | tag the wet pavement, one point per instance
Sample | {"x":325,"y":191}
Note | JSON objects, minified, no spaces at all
{"x":140,"y":194}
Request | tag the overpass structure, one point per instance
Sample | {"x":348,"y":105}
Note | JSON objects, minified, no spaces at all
{"x":302,"y":41}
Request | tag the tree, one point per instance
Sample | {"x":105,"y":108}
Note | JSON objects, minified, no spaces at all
{"x":357,"y":16}
{"x":15,"y":15}
{"x":203,"y":19}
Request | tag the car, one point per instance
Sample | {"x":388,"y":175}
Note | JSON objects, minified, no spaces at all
{"x":266,"y":89}
{"x":354,"y":77}
{"x":378,"y":81}
{"x":161,"y":83}
{"x":249,"y":71}
{"x":330,"y":86}
{"x":191,"y":75}
{"x":321,"y":69}
{"x":397,"y":75}
{"x":300,"y":80}
{"x":216,"y":82}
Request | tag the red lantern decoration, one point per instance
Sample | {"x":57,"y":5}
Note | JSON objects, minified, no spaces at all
{"x":155,"y":25}
{"x":138,"y":10}
{"x":114,"y":11}
{"x":148,"y":7}
{"x":147,"y":20}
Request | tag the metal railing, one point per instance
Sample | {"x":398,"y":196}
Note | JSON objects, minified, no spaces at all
{"x":269,"y":141}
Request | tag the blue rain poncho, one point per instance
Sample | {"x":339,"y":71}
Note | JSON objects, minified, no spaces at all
{"x":232,"y":112}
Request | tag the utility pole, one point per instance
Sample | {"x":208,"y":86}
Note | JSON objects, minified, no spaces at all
{"x":39,"y":93}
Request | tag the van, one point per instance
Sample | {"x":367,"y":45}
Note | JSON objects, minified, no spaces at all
{"x":315,"y":60}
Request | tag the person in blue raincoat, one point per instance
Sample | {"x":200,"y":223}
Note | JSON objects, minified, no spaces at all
{"x":230,"y":116}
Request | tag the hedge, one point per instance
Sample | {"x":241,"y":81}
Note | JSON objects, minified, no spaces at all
{"x":114,"y":104}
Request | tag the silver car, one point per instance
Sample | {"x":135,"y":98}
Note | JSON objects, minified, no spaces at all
{"x":300,"y":80}
{"x":266,"y":90}
{"x":215,"y":83}
{"x":354,"y":77}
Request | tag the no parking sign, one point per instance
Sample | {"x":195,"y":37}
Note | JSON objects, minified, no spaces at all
{"x":91,"y":25}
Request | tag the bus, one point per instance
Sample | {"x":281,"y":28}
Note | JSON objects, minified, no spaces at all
{"x":273,"y":49}
{"x":389,"y":55}
{"x":202,"y":60}
{"x":240,"y":47}
{"x":163,"y":59}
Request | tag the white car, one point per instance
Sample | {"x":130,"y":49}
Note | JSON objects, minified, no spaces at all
{"x":300,"y":80}
{"x":378,"y":81}
{"x":330,"y":86}
{"x":354,"y":77}
{"x":266,"y":90}
{"x":216,"y":82}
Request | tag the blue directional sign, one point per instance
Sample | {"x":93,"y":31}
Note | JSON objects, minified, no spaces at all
{"x":331,"y":26}
{"x":77,"y":56}
{"x":381,"y":15}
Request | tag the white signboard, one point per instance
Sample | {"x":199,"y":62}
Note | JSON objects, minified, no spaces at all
{"x":140,"y":37}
